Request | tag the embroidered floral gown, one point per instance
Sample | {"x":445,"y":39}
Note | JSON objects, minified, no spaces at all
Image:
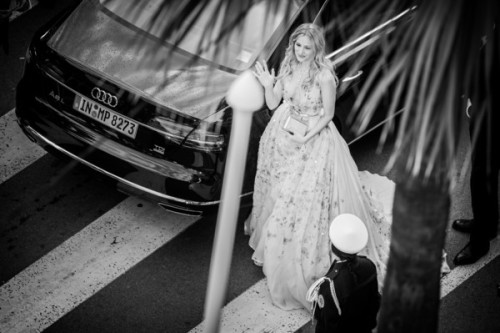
{"x":299,"y":189}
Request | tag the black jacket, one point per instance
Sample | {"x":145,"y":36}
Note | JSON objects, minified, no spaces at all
{"x":356,"y":289}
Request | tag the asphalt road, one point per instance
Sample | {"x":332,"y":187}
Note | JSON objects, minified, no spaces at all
{"x":78,"y":256}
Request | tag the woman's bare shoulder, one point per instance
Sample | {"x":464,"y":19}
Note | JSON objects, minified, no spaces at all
{"x":325,"y":76}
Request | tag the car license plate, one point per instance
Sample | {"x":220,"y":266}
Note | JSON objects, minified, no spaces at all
{"x":105,"y":116}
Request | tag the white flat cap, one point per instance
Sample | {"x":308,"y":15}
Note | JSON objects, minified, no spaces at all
{"x":348,"y":233}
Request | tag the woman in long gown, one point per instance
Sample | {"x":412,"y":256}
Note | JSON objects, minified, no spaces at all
{"x":304,"y":181}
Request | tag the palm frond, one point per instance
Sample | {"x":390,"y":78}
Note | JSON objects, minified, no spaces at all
{"x":434,"y":63}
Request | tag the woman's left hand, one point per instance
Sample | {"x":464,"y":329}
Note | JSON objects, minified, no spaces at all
{"x":297,"y":138}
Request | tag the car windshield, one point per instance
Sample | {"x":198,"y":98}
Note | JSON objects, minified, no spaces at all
{"x":96,"y":38}
{"x":240,"y":45}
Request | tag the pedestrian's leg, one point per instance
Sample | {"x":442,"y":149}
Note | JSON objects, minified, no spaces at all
{"x":4,"y":24}
{"x":481,"y":195}
{"x":485,"y":168}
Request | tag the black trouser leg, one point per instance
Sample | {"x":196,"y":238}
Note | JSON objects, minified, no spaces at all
{"x":484,"y":178}
{"x":484,"y":194}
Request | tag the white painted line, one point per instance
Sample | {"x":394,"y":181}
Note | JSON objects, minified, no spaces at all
{"x":253,"y":311}
{"x":16,"y":150}
{"x":459,"y":274}
{"x":85,"y":263}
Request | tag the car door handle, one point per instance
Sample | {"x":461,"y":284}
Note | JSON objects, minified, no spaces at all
{"x":469,"y":104}
{"x":350,"y":78}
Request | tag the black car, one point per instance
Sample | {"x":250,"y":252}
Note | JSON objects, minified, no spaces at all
{"x":102,"y":86}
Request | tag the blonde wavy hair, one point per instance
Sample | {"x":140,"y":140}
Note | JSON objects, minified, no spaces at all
{"x":319,"y":62}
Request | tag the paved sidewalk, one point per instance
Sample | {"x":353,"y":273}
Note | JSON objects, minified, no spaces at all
{"x":474,"y":306}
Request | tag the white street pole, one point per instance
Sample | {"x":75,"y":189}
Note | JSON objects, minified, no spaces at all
{"x":245,"y":96}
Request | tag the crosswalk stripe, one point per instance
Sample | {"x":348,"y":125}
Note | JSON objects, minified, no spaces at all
{"x":253,"y":311}
{"x":16,"y":150}
{"x":85,"y":263}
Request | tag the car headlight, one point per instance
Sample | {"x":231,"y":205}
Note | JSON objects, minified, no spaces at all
{"x":203,"y":137}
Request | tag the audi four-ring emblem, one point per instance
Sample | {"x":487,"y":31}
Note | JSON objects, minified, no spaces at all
{"x":104,"y":97}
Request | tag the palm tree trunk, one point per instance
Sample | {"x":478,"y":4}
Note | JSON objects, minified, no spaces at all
{"x":410,"y":300}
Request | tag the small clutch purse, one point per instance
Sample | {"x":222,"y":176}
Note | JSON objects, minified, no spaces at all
{"x":295,"y":125}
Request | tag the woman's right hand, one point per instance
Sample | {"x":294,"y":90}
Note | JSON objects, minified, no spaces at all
{"x":262,"y":74}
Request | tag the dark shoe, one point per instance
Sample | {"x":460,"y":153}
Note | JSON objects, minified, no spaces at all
{"x":463,"y":225}
{"x":467,"y":256}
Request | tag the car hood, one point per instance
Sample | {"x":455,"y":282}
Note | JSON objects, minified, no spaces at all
{"x":97,"y":41}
